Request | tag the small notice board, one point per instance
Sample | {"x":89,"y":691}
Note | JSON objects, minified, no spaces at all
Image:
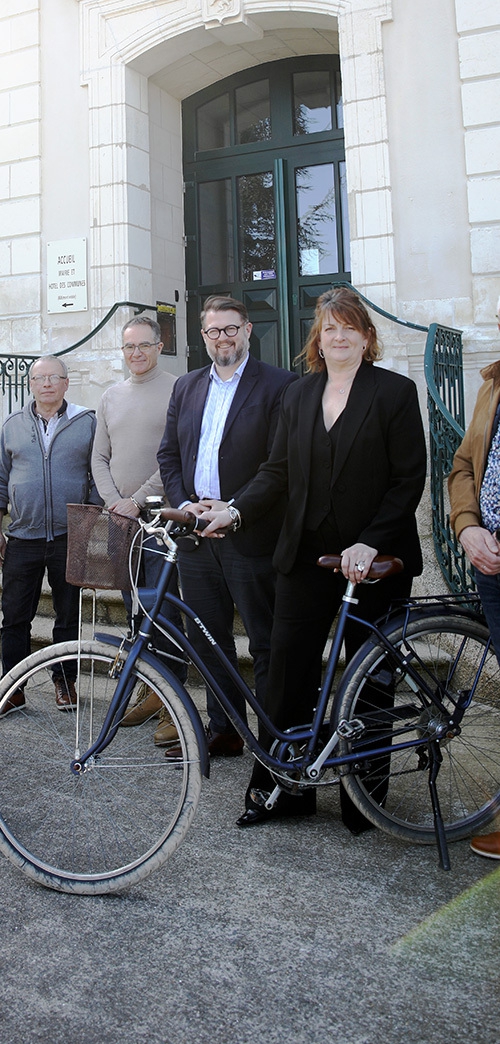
{"x":67,"y":276}
{"x":166,"y":317}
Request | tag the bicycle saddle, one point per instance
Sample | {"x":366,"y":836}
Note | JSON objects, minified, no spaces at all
{"x":382,"y":565}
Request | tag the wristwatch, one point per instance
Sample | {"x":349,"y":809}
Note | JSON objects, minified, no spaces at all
{"x":235,"y":518}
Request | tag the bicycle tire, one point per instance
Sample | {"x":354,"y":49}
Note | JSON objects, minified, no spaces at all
{"x":110,"y":826}
{"x":394,"y":794}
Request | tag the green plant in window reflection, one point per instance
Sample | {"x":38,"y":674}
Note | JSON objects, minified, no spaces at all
{"x":258,"y":131}
{"x":316,"y":221}
{"x":257,"y":224}
{"x":319,"y":217}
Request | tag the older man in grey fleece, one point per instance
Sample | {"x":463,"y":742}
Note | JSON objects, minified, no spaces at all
{"x":44,"y":465}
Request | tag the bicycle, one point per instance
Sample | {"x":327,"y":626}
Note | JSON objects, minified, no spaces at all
{"x":413,"y":730}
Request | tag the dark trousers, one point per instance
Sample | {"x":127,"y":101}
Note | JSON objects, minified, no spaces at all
{"x":152,"y":562}
{"x":489,"y":592}
{"x":307,"y":601}
{"x":215,"y":577}
{"x":23,"y":571}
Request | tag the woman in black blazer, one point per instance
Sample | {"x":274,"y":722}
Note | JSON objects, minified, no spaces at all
{"x":349,"y":453}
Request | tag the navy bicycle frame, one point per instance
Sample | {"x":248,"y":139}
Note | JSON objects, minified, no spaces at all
{"x":308,"y":735}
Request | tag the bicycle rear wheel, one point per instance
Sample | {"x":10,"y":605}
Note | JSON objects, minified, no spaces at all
{"x":392,"y":791}
{"x":111,"y":825}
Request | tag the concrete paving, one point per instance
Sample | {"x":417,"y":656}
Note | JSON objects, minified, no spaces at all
{"x":290,"y":931}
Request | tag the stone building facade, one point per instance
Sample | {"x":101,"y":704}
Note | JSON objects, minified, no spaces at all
{"x":91,"y":95}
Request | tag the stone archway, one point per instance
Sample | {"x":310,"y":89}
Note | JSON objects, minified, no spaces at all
{"x":140,"y":61}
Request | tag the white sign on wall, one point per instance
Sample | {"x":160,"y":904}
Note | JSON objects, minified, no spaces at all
{"x":67,"y":276}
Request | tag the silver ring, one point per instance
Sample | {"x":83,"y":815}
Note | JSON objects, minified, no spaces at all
{"x":360,"y":566}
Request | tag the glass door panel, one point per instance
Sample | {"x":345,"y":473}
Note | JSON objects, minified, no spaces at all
{"x":316,"y":219}
{"x":312,"y":104}
{"x":215,"y":231}
{"x":212,"y":124}
{"x":256,"y":222}
{"x":253,"y":112}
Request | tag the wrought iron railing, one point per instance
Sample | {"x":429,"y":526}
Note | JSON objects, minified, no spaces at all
{"x":14,"y":369}
{"x":380,"y":311}
{"x":446,"y":409}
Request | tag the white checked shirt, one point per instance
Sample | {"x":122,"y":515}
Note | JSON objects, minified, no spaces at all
{"x":48,"y":427}
{"x":217,"y":406}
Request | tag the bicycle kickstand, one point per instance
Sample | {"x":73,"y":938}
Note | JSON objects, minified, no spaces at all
{"x":435,"y":764}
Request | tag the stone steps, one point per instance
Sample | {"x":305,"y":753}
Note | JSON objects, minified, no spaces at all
{"x":111,"y":616}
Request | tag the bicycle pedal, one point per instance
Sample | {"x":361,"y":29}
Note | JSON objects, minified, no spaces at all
{"x":349,"y":729}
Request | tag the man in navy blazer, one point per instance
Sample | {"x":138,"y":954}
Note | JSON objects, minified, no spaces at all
{"x":220,"y":427}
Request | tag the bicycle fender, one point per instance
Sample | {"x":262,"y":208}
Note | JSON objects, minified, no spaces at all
{"x":395,"y":622}
{"x":400,"y":616}
{"x":180,"y":691}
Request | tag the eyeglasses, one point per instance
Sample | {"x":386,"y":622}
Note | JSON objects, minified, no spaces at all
{"x":129,"y":349}
{"x":52,"y":378}
{"x":230,"y":331}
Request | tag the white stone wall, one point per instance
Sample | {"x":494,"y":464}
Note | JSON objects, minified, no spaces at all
{"x":478,"y":28}
{"x":367,"y":153}
{"x":428,"y":188}
{"x":167,"y":212}
{"x":20,"y":177}
{"x":90,"y":146}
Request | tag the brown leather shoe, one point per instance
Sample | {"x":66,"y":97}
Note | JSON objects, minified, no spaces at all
{"x":224,"y":744}
{"x":147,"y":705}
{"x":487,"y":845}
{"x":166,"y":733}
{"x":14,"y":703}
{"x":220,"y":745}
{"x":66,"y":698}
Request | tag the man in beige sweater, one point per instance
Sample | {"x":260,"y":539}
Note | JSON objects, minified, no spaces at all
{"x":130,"y":424}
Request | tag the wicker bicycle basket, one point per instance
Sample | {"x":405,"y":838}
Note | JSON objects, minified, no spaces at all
{"x":99,"y":544}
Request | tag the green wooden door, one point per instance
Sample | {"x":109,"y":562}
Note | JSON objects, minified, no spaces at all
{"x":265,"y":199}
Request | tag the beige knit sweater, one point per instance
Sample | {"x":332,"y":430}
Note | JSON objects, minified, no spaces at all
{"x":131,"y":420}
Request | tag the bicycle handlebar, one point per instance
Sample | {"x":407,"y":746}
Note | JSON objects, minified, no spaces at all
{"x":188,"y":522}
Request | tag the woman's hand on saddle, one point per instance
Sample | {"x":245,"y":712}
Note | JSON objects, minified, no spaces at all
{"x":356,"y":561}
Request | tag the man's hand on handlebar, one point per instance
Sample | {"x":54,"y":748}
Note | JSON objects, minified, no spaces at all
{"x":217,"y":520}
{"x":185,"y":521}
{"x":213,"y":505}
{"x":197,"y":509}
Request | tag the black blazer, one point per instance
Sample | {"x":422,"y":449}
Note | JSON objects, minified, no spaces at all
{"x":379,"y":467}
{"x":246,"y":442}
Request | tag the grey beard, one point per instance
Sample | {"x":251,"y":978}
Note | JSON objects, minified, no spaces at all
{"x":228,"y":359}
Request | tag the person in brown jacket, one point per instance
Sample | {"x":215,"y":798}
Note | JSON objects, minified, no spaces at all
{"x":474,"y":487}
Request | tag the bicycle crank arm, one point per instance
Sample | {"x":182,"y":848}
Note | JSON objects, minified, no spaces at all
{"x":272,"y":799}
{"x":313,"y":771}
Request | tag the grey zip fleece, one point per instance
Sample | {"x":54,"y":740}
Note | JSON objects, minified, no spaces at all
{"x":39,"y":483}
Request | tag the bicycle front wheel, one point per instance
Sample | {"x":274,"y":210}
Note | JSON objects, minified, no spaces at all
{"x":451,"y":656}
{"x":111,"y":825}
